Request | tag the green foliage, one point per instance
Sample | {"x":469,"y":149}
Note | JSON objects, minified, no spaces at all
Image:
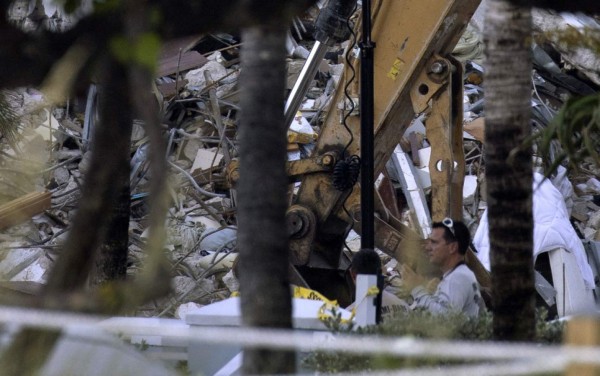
{"x":144,"y":51}
{"x":577,"y":129}
{"x":335,"y":324}
{"x":328,"y":362}
{"x":422,"y":324}
{"x":547,"y":331}
{"x":71,"y":5}
{"x":102,"y":6}
{"x":142,"y":346}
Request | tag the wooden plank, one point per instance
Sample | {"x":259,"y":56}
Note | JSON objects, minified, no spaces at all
{"x":582,"y":331}
{"x":23,"y":208}
{"x":581,"y":217}
{"x":173,"y":46}
{"x":592,"y":206}
{"x":189,"y":60}
{"x":415,"y":145}
{"x":168,"y":89}
{"x":169,"y":56}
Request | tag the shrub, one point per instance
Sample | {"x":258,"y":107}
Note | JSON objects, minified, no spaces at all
{"x":420,"y":324}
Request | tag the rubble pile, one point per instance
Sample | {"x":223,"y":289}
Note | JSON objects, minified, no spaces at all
{"x":197,"y":86}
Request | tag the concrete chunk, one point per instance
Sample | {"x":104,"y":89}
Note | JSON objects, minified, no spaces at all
{"x":16,"y":260}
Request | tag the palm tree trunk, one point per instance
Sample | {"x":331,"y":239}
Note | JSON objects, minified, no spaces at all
{"x":509,"y":176}
{"x":262,"y":195}
{"x":110,"y":154}
{"x":111,"y":262}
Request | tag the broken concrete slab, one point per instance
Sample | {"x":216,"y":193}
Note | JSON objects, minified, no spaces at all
{"x":61,"y":175}
{"x":189,"y":290}
{"x":205,"y":162}
{"x":218,"y":262}
{"x":35,"y":272}
{"x":186,"y":308}
{"x":232,"y":283}
{"x":197,"y":81}
{"x":552,"y":24}
{"x":594,"y":220}
{"x":476,"y":128}
{"x":16,"y":260}
{"x":469,"y":189}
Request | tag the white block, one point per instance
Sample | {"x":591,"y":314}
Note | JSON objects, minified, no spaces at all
{"x":469,"y":189}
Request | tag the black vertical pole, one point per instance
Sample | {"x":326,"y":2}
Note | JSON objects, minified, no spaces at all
{"x":367,"y":181}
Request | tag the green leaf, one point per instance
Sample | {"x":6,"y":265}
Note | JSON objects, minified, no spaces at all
{"x":146,"y":50}
{"x":120,"y":49}
{"x":102,"y":6}
{"x":71,"y":6}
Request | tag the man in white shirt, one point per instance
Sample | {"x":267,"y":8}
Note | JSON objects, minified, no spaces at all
{"x":458,"y":291}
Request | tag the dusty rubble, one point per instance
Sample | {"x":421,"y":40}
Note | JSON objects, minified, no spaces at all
{"x":197,"y":83}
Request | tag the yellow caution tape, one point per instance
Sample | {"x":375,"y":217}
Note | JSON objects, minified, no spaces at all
{"x":372,"y":291}
{"x":305,"y":293}
{"x":324,"y":316}
{"x":328,"y":307}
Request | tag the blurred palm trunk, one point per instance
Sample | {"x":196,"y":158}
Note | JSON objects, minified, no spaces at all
{"x":509,"y":176}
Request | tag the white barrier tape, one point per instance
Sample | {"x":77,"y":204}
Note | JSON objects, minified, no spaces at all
{"x":545,"y":355}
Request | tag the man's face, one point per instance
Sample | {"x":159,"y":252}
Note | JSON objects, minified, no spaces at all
{"x":438,"y":250}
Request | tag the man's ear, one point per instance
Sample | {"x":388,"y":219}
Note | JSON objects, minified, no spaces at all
{"x":454,"y":247}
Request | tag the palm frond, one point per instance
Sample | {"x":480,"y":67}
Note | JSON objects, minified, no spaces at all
{"x":577,"y":129}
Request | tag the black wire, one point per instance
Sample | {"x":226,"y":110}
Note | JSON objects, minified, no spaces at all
{"x":350,"y":80}
{"x":347,"y":170}
{"x":346,"y":173}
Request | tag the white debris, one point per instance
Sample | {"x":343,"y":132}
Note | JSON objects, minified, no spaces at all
{"x":196,"y":79}
{"x":219,"y":239}
{"x":36,"y":271}
{"x":589,"y":233}
{"x":190,"y":290}
{"x":469,"y":189}
{"x":231,"y":282}
{"x":185,"y":308}
{"x":593,"y":184}
{"x":16,"y":260}
{"x":218,"y":261}
{"x":594,"y":220}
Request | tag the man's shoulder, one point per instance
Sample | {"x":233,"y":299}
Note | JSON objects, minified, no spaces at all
{"x":463,"y":273}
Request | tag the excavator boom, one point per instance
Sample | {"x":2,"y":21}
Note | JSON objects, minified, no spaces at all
{"x":413,"y":73}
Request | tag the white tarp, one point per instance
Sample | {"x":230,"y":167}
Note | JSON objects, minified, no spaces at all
{"x":552,"y":228}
